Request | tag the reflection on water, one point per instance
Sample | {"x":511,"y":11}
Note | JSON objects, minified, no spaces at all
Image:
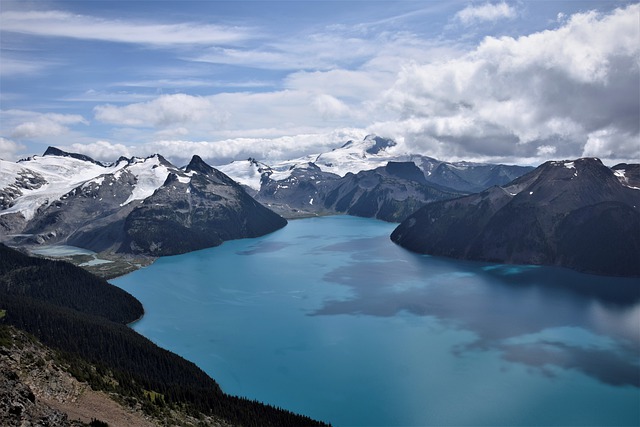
{"x":499,"y":303}
{"x":347,"y":327}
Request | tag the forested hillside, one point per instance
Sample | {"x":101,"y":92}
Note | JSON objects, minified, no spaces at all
{"x":85,"y":319}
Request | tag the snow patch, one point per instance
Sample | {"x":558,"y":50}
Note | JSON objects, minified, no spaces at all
{"x":244,"y":172}
{"x":62,"y":174}
{"x":150,"y":175}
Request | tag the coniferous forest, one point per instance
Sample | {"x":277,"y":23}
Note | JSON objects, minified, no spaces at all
{"x":84,"y":318}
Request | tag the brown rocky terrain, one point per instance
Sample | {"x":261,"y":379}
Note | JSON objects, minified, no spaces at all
{"x":37,"y":390}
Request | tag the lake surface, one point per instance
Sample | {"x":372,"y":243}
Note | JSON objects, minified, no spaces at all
{"x":329,"y":318}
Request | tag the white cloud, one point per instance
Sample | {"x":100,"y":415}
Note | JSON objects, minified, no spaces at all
{"x":560,"y":88}
{"x":64,"y":24}
{"x":486,"y":12}
{"x":29,"y":124}
{"x":163,"y":111}
{"x":100,"y":150}
{"x":330,"y":107}
{"x":232,"y":115}
{"x":611,"y":143}
{"x":9,"y":149}
{"x":223,"y":151}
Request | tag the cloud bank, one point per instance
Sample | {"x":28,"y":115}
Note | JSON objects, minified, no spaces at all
{"x":572,"y":91}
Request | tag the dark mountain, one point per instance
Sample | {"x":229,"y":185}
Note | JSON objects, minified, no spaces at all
{"x":390,"y":192}
{"x":628,"y":174}
{"x":201,"y":210}
{"x":576,"y":214}
{"x":470,"y":177}
{"x":300,"y":194}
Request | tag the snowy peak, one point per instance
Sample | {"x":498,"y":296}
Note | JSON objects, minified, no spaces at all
{"x":354,"y":157}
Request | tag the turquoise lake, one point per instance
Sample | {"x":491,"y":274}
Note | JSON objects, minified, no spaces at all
{"x":327,"y":317}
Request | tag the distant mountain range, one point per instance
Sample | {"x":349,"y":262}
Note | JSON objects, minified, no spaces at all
{"x":149,"y":206}
{"x":364,"y":178}
{"x":578,"y":214}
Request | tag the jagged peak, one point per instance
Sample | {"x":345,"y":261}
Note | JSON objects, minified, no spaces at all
{"x":198,"y":165}
{"x":172,"y":177}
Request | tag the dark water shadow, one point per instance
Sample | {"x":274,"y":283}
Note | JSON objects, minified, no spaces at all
{"x":499,"y":303}
{"x":264,"y":247}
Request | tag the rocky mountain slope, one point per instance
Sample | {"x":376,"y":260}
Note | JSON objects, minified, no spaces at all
{"x":135,"y":205}
{"x":578,"y":214}
{"x":36,"y":389}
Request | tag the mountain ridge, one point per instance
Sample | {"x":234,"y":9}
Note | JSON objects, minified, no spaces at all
{"x":572,"y":213}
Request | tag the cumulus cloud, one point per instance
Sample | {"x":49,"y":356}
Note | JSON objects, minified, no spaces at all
{"x":100,"y":150}
{"x":330,"y":107}
{"x":9,"y":149}
{"x":231,"y":115}
{"x":486,"y":12}
{"x":574,"y":89}
{"x":163,"y":111}
{"x":65,"y":24}
{"x":29,"y":124}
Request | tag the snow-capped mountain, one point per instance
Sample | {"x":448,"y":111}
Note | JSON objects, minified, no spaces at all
{"x":68,"y":198}
{"x":356,"y":179}
{"x":373,"y":152}
{"x":578,"y":214}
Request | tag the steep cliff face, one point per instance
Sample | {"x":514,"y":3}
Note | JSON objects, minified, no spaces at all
{"x":576,"y":214}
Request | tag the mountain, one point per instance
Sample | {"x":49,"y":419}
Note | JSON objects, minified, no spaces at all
{"x":137,"y":205}
{"x":389,"y":193}
{"x":365,"y":178}
{"x":578,"y":214}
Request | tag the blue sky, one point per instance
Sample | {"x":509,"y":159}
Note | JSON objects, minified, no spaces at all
{"x":517,"y":82}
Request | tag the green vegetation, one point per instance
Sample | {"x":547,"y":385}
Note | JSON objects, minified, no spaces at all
{"x":85,"y":318}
